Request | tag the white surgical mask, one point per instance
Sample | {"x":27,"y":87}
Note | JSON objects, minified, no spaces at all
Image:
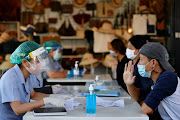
{"x":130,"y":54}
{"x":56,"y":55}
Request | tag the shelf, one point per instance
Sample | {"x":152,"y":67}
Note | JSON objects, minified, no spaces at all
{"x":11,"y":26}
{"x":71,"y":38}
{"x":72,"y":56}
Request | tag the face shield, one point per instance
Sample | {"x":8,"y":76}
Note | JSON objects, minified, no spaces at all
{"x":40,"y":61}
{"x":57,"y":52}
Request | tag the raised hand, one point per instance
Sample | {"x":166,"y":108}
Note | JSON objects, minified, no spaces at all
{"x":129,"y":79}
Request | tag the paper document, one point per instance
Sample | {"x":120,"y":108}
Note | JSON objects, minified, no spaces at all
{"x":70,"y":104}
{"x":108,"y":103}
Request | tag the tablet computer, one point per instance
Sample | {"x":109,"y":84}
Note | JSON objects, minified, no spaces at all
{"x":50,"y":111}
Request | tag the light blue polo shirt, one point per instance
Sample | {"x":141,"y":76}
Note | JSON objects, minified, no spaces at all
{"x":13,"y":88}
{"x":38,"y":81}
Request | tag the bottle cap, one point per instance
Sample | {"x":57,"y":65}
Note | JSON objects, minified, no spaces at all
{"x":76,"y":63}
{"x":97,"y":78}
{"x":91,"y":87}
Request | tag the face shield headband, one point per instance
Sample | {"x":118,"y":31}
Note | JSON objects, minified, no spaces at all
{"x":40,"y":55}
{"x":55,"y":48}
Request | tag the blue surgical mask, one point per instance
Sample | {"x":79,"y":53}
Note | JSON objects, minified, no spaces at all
{"x":112,"y":54}
{"x":56,"y":56}
{"x":142,"y":71}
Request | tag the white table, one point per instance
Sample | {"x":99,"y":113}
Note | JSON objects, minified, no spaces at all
{"x":131,"y":111}
{"x":85,"y":78}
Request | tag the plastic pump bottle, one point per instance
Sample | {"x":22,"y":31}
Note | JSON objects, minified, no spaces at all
{"x":91,"y":101}
{"x":68,"y":75}
{"x":76,"y":70}
{"x":97,"y":82}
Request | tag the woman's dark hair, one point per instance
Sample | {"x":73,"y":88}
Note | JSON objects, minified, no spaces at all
{"x":119,"y":46}
{"x":139,"y":40}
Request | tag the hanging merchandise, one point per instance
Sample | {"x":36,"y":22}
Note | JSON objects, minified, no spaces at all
{"x":94,"y":22}
{"x":106,"y":27}
{"x":80,"y":33}
{"x":105,"y":10}
{"x":67,"y":7}
{"x":116,"y":22}
{"x":46,"y":3}
{"x":117,"y":3}
{"x":66,"y":31}
{"x":38,"y":9}
{"x":55,"y":6}
{"x":144,"y":24}
{"x":30,"y":3}
{"x":27,"y":18}
{"x":144,"y":2}
{"x":157,"y":7}
{"x":91,"y":6}
{"x":79,"y":3}
{"x":52,"y":20}
{"x":81,"y":18}
{"x":46,"y":38}
{"x":41,"y":27}
{"x":102,"y":42}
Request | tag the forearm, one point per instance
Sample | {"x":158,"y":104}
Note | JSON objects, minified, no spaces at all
{"x":19,"y":108}
{"x":134,"y":92}
{"x":61,"y":74}
{"x":39,"y":96}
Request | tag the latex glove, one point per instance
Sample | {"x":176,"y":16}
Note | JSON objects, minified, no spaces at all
{"x":56,"y":88}
{"x":54,"y":101}
{"x":59,"y":96}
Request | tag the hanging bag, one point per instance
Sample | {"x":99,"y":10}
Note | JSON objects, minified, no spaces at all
{"x":41,"y":27}
{"x":27,"y":18}
{"x":55,"y":6}
{"x":46,"y":3}
{"x":67,"y":7}
{"x":38,"y":9}
{"x":66,"y":31}
{"x":81,"y":18}
{"x":105,"y":10}
{"x":91,"y":6}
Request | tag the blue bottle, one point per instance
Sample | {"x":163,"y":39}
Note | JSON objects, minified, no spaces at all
{"x":91,"y":101}
{"x":68,"y":75}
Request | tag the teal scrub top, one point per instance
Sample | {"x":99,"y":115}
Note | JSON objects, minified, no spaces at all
{"x":13,"y":88}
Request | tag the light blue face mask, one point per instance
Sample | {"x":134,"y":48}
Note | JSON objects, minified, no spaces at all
{"x":142,"y":71}
{"x":57,"y":56}
{"x":112,"y":54}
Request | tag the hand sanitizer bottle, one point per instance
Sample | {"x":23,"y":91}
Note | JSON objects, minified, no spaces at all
{"x":91,"y":101}
{"x":76,"y":70}
{"x":68,"y":75}
{"x":97,"y":82}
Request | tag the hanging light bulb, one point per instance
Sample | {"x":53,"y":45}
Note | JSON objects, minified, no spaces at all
{"x":130,"y":30}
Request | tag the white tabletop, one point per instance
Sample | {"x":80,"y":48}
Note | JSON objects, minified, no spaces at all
{"x":85,"y":78}
{"x":131,"y":111}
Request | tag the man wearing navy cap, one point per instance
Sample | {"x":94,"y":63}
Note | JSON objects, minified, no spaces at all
{"x":165,"y":93}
